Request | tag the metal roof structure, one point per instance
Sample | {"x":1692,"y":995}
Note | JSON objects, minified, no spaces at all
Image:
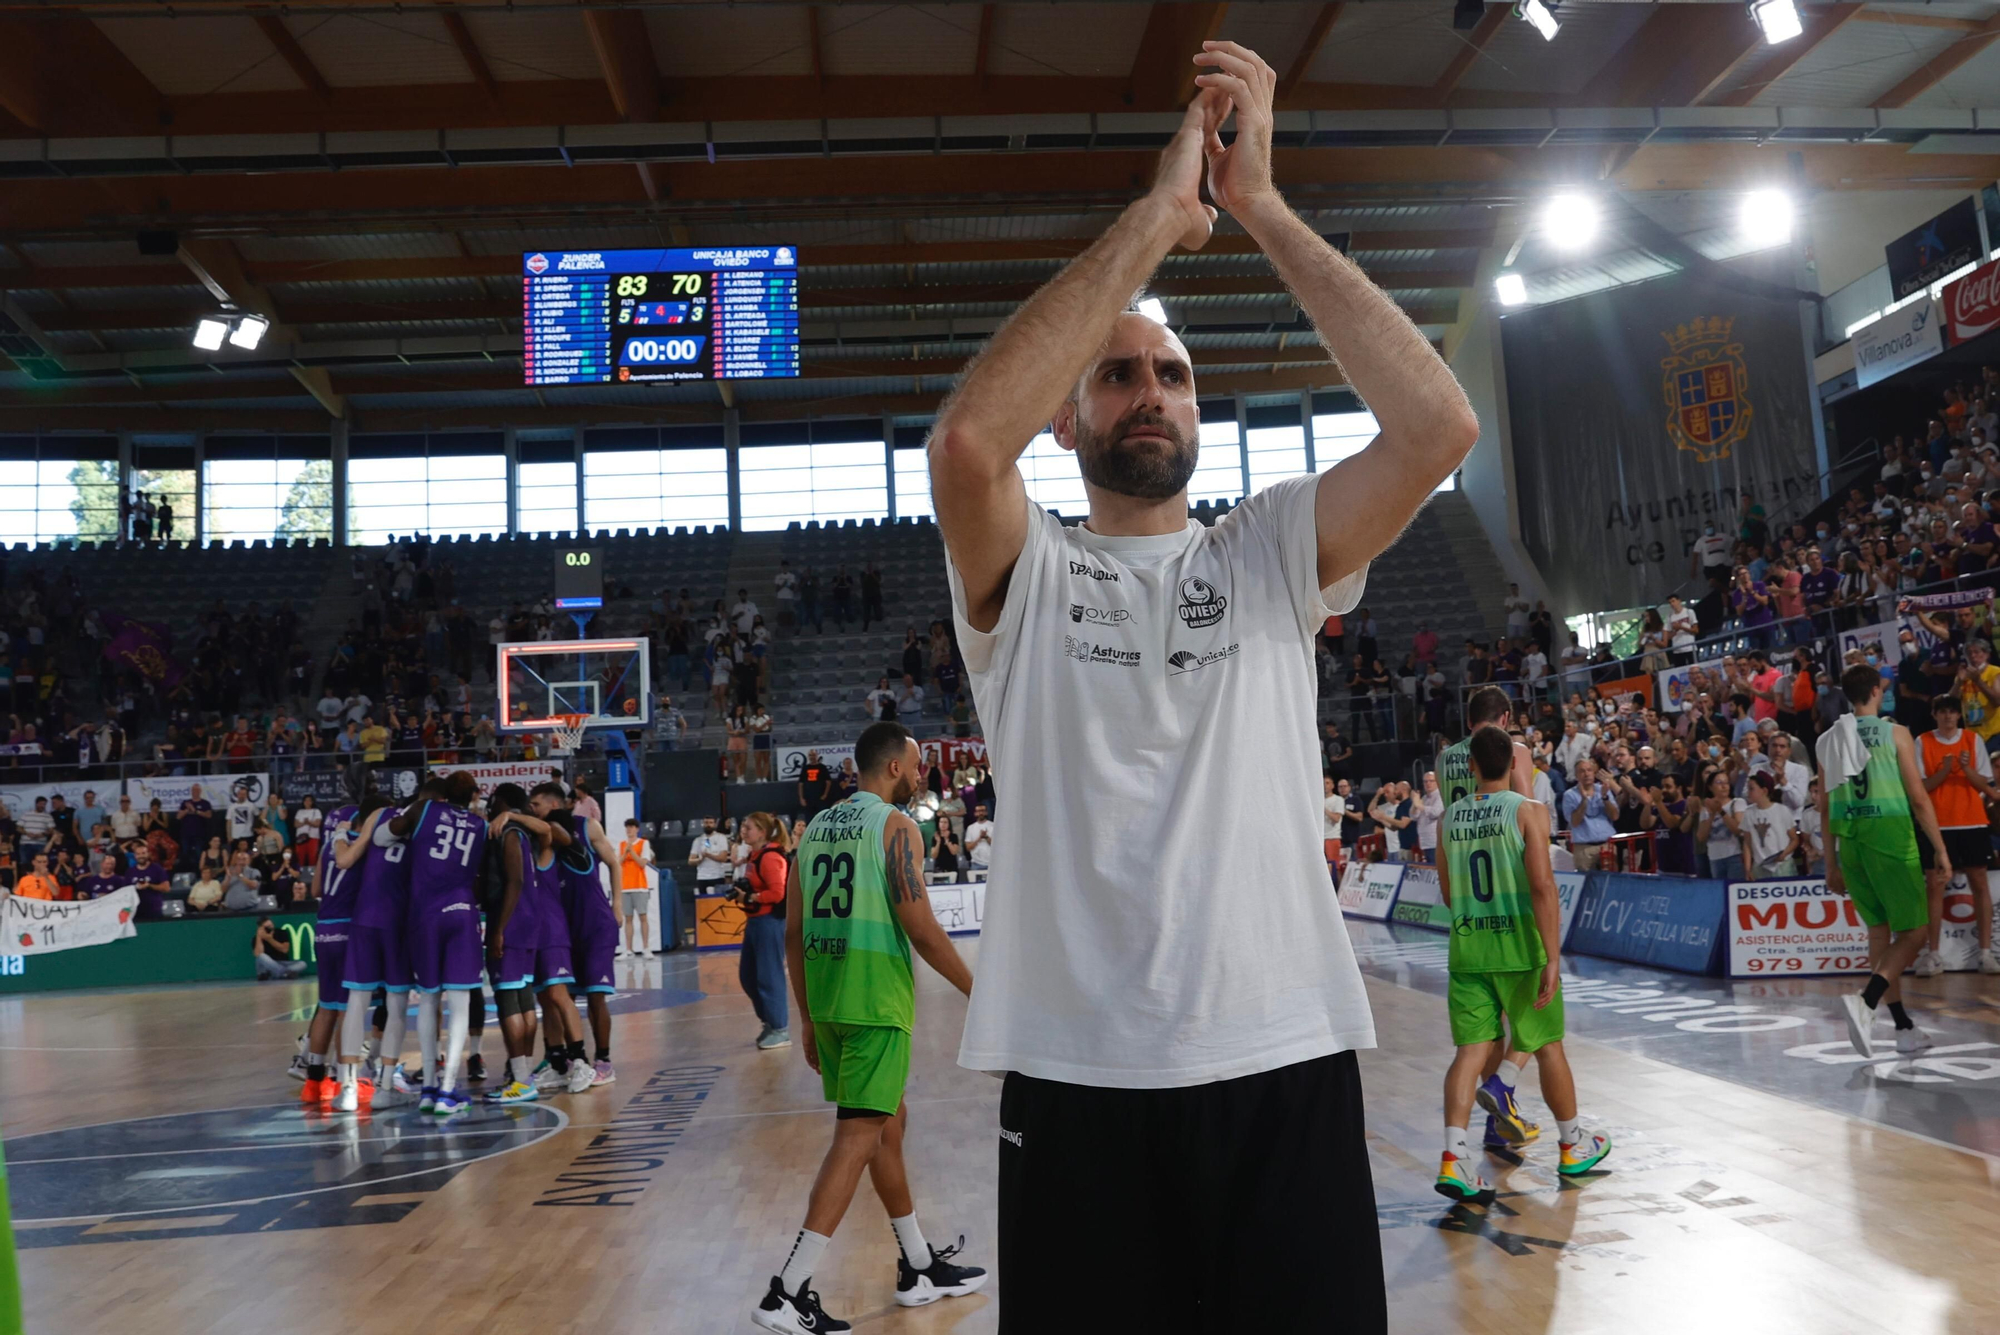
{"x":370,"y":173}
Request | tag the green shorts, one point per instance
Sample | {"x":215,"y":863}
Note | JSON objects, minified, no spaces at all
{"x":1885,"y":882}
{"x":1476,"y":1001}
{"x":863,"y":1066}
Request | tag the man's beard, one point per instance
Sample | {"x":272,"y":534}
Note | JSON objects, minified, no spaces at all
{"x":1146,"y":472}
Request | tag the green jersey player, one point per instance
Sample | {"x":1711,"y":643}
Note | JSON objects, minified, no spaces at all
{"x":855,"y":908}
{"x":1493,"y":867}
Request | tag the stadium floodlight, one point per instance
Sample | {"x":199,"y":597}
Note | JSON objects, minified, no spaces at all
{"x":1541,"y":15}
{"x":1779,"y":20}
{"x":1766,"y":218}
{"x":1570,"y":220}
{"x":1511,"y":289}
{"x":209,"y":333}
{"x":1153,"y":309}
{"x":249,"y":331}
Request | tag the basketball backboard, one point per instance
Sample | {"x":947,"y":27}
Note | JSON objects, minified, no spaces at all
{"x":610,"y":682}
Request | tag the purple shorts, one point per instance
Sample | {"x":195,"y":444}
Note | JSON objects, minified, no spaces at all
{"x":593,"y":945}
{"x":375,"y":958}
{"x":552,"y":967}
{"x":330,"y":948}
{"x":514,"y":968}
{"x":446,"y":952}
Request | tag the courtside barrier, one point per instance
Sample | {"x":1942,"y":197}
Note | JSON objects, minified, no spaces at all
{"x":185,"y":950}
{"x":1670,"y":922}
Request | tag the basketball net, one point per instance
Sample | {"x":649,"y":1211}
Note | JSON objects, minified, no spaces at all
{"x":567,"y":735}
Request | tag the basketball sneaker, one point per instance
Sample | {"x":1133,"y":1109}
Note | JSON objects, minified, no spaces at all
{"x":427,"y":1098}
{"x":582,"y":1075}
{"x":601,"y":1073}
{"x":475,"y":1069}
{"x":1583,"y":1156}
{"x":1928,"y":964}
{"x":1860,"y":1020}
{"x":1988,"y":962}
{"x":939,"y":1279}
{"x":1505,"y":1111}
{"x":1493,"y":1140}
{"x":795,"y":1313}
{"x":297,"y":1070}
{"x":1458,"y":1180}
{"x":405,"y":1082}
{"x":388,"y":1094}
{"x":513,"y":1092}
{"x":449,"y":1103}
{"x":357,"y":1097}
{"x":313,"y":1092}
{"x":774,"y":1038}
{"x":1911,"y":1041}
{"x":547,"y":1080}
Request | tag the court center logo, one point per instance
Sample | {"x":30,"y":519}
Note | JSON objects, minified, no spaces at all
{"x":1099,"y":616}
{"x":1202,"y":604}
{"x":1706,"y":384}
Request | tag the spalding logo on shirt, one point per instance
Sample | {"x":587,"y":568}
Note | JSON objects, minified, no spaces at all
{"x":1201,"y":604}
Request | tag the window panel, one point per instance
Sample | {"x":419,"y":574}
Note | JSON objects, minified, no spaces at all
{"x":784,"y":484}
{"x":1049,"y":472}
{"x":1218,"y":473}
{"x":1336,"y":436}
{"x":1276,"y":453}
{"x":449,"y":494}
{"x":545,"y":498}
{"x":913,"y":483}
{"x":249,"y":499}
{"x":651,"y":489}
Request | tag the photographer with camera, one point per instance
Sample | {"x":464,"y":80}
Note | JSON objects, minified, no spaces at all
{"x":760,"y":892}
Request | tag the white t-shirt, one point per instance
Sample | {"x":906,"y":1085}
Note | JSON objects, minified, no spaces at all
{"x":979,"y":843}
{"x":1332,"y":809}
{"x":1682,"y":626}
{"x":1118,"y":746}
{"x":1723,"y":841}
{"x":1767,"y":830}
{"x":242,"y":819}
{"x":1429,"y":812}
{"x":1535,"y":666}
{"x":707,"y":870}
{"x":1713,"y":548}
{"x":787,"y":584}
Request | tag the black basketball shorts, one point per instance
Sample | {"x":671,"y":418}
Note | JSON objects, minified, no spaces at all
{"x":1190,"y":1209}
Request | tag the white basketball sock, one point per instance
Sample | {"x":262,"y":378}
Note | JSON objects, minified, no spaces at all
{"x":800,"y":1264}
{"x":1507,"y":1074}
{"x":1570,"y":1131}
{"x":457,"y":1016}
{"x":911,"y":1238}
{"x":1456,"y":1143}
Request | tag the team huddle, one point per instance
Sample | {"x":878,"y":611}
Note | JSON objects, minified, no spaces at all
{"x":434,"y":899}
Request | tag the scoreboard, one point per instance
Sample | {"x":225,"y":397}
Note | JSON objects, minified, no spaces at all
{"x":651,"y":316}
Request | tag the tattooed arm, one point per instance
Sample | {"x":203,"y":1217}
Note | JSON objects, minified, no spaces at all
{"x":902,"y":851}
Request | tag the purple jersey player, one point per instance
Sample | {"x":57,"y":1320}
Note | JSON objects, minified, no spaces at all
{"x":336,"y":909}
{"x":445,"y":843}
{"x":377,"y":955}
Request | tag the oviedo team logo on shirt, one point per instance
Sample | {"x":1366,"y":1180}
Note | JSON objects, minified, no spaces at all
{"x":1099,"y":616}
{"x":1202,"y":604}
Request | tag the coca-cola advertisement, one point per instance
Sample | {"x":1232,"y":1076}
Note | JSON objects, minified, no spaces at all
{"x":1972,"y":305}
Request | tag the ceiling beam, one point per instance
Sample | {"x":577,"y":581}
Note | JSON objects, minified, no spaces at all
{"x":1675,"y":58}
{"x":1905,"y":18}
{"x":60,"y":75}
{"x":819,"y":259}
{"x":468,"y":50}
{"x":1163,"y":70}
{"x":1942,"y":65}
{"x":1473,"y":46}
{"x":1322,"y":24}
{"x":624,"y":48}
{"x":982,"y":55}
{"x":288,"y":49}
{"x":1820,"y":24}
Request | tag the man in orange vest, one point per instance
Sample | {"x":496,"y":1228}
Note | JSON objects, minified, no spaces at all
{"x":1959,"y":776}
{"x":37,"y":884}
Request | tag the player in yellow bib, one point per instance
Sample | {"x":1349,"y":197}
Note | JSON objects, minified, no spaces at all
{"x":1506,"y":952}
{"x":1871,"y":854}
{"x":855,"y":907}
{"x":1507,"y":1127}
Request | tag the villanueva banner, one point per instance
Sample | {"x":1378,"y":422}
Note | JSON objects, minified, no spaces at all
{"x":1972,"y":305}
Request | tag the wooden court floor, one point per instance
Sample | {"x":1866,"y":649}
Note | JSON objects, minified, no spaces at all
{"x":200,"y":1200}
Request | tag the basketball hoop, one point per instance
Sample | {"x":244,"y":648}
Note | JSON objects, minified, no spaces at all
{"x":567,"y":735}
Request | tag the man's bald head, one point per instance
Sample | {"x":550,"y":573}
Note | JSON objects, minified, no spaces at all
{"x":1131,"y":417}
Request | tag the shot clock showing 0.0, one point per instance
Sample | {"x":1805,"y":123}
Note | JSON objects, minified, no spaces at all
{"x":579,"y":579}
{"x":650,"y":316}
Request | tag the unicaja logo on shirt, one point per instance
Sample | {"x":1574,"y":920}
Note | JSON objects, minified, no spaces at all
{"x":1201,"y":603}
{"x":1183,"y":661}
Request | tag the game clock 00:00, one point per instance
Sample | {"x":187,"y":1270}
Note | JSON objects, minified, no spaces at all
{"x":660,"y":325}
